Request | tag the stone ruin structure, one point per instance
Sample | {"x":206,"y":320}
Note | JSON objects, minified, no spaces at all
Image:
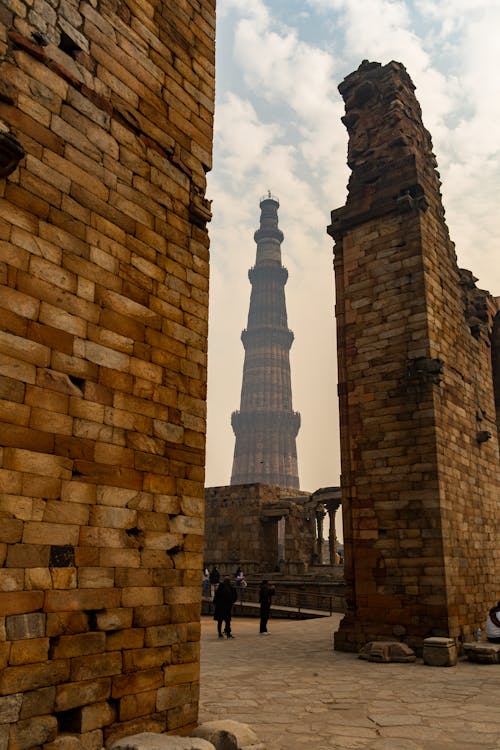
{"x":419,"y":377}
{"x":106,"y":114}
{"x":266,"y":427}
{"x":266,"y":529}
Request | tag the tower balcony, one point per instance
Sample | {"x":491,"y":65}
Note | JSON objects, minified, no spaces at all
{"x":268,"y":271}
{"x":268,"y":233}
{"x":266,"y":421}
{"x":267,"y":336}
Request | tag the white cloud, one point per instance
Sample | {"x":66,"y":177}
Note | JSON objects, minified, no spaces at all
{"x":278,"y":127}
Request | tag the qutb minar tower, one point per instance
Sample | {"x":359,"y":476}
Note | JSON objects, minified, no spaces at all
{"x":266,"y":426}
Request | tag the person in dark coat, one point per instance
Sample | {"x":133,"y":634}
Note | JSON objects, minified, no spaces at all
{"x":224,"y":598}
{"x":214,"y":579}
{"x":266,"y":593}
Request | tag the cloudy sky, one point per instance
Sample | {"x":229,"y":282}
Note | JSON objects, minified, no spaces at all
{"x":278,"y":127}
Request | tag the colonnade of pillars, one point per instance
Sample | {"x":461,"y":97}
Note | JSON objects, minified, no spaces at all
{"x":322,"y":509}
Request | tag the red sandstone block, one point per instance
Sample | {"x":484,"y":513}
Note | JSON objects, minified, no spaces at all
{"x":164,"y":635}
{"x":81,"y":448}
{"x":177,"y":674}
{"x":93,"y":536}
{"x":132,"y":638}
{"x":11,"y":530}
{"x":28,"y":556}
{"x":152,"y":615}
{"x":96,"y":665}
{"x":24,"y":678}
{"x":142,"y":596}
{"x":140,"y":704}
{"x":68,"y":646}
{"x":185,"y":653}
{"x":48,"y":421}
{"x":139,"y":682}
{"x":33,"y":732}
{"x":38,"y":702}
{"x":160,"y":484}
{"x":114,"y":619}
{"x":177,"y":695}
{"x":50,"y":533}
{"x":72,"y":695}
{"x":19,"y":602}
{"x":110,"y":475}
{"x":66,"y":623}
{"x":56,"y":601}
{"x":21,"y":304}
{"x":29,"y":651}
{"x":123,"y":558}
{"x":96,"y":577}
{"x":46,"y":399}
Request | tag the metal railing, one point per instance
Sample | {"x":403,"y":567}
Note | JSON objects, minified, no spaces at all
{"x":293,"y":599}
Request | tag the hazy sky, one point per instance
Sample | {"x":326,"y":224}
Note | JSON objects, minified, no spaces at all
{"x":278,"y":127}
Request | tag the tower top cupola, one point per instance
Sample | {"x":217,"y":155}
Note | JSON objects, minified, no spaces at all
{"x":268,"y":237}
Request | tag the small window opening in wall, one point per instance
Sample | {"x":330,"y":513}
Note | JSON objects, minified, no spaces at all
{"x":79,"y":382}
{"x":68,"y":45}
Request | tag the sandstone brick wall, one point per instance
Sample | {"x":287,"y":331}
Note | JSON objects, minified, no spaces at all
{"x":420,"y":491}
{"x":237,"y":531}
{"x":103,"y":329}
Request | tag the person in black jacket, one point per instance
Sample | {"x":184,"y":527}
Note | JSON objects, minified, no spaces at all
{"x":224,"y":598}
{"x":214,"y":578}
{"x":266,"y":593}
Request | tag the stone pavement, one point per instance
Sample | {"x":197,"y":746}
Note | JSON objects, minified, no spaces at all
{"x":298,"y":694}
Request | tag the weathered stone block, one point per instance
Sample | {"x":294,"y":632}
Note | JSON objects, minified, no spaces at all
{"x":483,"y":652}
{"x":440,"y":652}
{"x":74,"y":694}
{"x":137,"y":683}
{"x":38,"y":702}
{"x":33,"y":732}
{"x":68,"y":646}
{"x":139,"y":704}
{"x":26,"y":678}
{"x":29,"y":651}
{"x":10,"y":708}
{"x":96,"y":665}
{"x":387,"y":651}
{"x":150,"y":741}
{"x":20,"y":627}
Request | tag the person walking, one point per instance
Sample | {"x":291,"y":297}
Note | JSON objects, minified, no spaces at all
{"x":224,"y":598}
{"x":266,"y":592}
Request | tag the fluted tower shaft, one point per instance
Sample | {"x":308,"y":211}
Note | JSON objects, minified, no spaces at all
{"x":266,"y":426}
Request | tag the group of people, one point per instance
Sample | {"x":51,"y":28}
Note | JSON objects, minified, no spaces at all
{"x":225,"y":596}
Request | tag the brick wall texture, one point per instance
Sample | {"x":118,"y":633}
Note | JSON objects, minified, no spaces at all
{"x":103,"y":313}
{"x":420,"y":486}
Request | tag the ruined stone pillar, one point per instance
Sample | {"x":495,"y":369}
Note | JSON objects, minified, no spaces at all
{"x":332,"y":534}
{"x":420,"y":488}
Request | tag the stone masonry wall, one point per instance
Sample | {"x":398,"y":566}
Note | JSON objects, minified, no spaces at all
{"x":420,"y":486}
{"x":238,"y":533}
{"x":103,"y":318}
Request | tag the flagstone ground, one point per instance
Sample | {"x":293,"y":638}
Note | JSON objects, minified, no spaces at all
{"x":297,"y":693}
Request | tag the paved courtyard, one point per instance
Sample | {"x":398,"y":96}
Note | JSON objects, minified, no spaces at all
{"x":298,"y":694}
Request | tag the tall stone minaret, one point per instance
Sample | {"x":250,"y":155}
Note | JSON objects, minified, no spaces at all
{"x":266,"y":426}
